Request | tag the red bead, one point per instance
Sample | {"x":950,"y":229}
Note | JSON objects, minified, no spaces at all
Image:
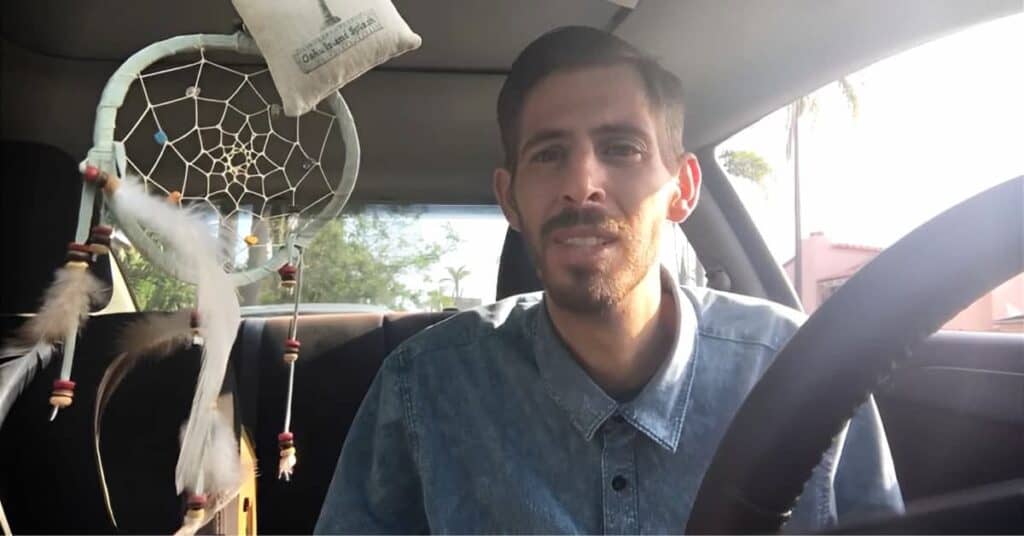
{"x":285,"y":436}
{"x":103,"y":230}
{"x":287,"y":270}
{"x":91,"y":173}
{"x":196,"y":501}
{"x":75,"y":246}
{"x":64,"y":385}
{"x":193,"y":319}
{"x":293,"y":343}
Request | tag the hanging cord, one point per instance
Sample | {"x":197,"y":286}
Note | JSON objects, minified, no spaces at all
{"x":291,"y":276}
{"x":76,"y":284}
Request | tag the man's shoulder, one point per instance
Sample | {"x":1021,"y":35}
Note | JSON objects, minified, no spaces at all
{"x":506,"y":320}
{"x":743,"y":319}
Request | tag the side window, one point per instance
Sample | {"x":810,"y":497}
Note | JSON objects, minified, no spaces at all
{"x":855,"y":165}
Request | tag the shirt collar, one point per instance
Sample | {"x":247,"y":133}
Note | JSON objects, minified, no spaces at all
{"x":658,"y":410}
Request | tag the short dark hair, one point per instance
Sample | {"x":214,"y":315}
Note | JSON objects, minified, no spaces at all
{"x":577,"y":47}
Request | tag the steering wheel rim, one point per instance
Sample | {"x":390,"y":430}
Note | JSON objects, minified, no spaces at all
{"x":845,"y":348}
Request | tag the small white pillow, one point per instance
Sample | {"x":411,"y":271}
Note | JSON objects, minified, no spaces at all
{"x":314,"y":47}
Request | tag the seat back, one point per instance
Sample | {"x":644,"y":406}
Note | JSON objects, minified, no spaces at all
{"x":339,"y":360}
{"x":49,"y":481}
{"x":39,"y":210}
{"x":516,"y":273}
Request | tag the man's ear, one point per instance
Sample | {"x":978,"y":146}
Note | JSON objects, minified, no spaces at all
{"x":506,"y":197}
{"x":684,"y":198}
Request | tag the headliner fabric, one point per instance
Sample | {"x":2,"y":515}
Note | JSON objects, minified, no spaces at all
{"x":315,"y":48}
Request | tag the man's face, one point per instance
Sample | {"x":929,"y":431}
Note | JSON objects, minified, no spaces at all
{"x":591,"y":190}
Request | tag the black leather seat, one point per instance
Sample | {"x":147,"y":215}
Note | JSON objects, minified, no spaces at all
{"x":516,"y":273}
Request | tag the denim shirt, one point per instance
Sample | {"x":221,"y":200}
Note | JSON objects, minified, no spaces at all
{"x":485,"y":423}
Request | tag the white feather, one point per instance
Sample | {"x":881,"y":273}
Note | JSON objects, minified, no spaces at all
{"x":187,"y":236}
{"x":222,"y":471}
{"x":17,"y":373}
{"x":66,"y":304}
{"x":221,"y":465}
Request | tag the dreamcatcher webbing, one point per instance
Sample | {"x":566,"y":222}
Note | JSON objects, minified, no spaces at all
{"x":231,"y":149}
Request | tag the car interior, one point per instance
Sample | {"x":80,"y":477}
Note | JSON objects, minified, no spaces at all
{"x":952,"y":403}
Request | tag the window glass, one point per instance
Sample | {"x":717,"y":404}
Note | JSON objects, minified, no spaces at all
{"x":883,"y":150}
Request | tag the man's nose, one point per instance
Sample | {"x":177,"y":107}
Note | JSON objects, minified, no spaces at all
{"x":584,"y":179}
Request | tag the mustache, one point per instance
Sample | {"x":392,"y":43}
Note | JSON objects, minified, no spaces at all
{"x":571,"y":217}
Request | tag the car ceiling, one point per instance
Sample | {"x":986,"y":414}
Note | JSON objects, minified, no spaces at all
{"x":426,"y":120}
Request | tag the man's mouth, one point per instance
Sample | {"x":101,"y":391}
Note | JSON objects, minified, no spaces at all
{"x":584,"y":241}
{"x":582,"y":237}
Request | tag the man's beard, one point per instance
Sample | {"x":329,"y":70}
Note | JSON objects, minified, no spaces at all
{"x":599,"y":288}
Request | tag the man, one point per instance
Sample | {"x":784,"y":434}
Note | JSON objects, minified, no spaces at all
{"x":596,"y":406}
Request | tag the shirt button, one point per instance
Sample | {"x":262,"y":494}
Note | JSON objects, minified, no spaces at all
{"x":619,"y":483}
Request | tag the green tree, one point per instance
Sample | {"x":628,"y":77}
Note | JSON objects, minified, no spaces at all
{"x":363,"y":258}
{"x":796,"y":111}
{"x":152,"y":289}
{"x":438,"y":300}
{"x":746,"y":164}
{"x":456,"y":276}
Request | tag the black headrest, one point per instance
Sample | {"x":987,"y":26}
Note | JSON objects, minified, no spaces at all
{"x":516,"y":274}
{"x":39,"y":208}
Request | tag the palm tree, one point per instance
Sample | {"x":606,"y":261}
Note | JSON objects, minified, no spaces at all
{"x":455,"y":277}
{"x":807,"y":103}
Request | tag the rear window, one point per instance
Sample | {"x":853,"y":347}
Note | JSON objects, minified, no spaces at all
{"x":382,"y":257}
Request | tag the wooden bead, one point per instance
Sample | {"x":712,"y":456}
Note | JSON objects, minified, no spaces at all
{"x":111,"y":184}
{"x":286,"y":452}
{"x":287,"y":271}
{"x":102,"y":230}
{"x":291,"y":357}
{"x":60,"y":400}
{"x":78,"y":256}
{"x":77,"y":265}
{"x":288,"y":283}
{"x":91,"y":174}
{"x":195,"y":514}
{"x":174,"y":198}
{"x":251,"y":240}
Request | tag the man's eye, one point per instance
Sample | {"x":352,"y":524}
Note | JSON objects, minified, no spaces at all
{"x":623,"y":150}
{"x":549,"y":154}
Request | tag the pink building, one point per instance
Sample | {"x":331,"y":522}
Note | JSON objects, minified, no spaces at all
{"x":826,"y":266}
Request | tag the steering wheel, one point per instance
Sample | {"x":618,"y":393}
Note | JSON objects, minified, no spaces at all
{"x":839,"y":355}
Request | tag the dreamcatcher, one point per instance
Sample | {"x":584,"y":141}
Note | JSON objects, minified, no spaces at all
{"x":201,"y":171}
{"x":240,"y":189}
